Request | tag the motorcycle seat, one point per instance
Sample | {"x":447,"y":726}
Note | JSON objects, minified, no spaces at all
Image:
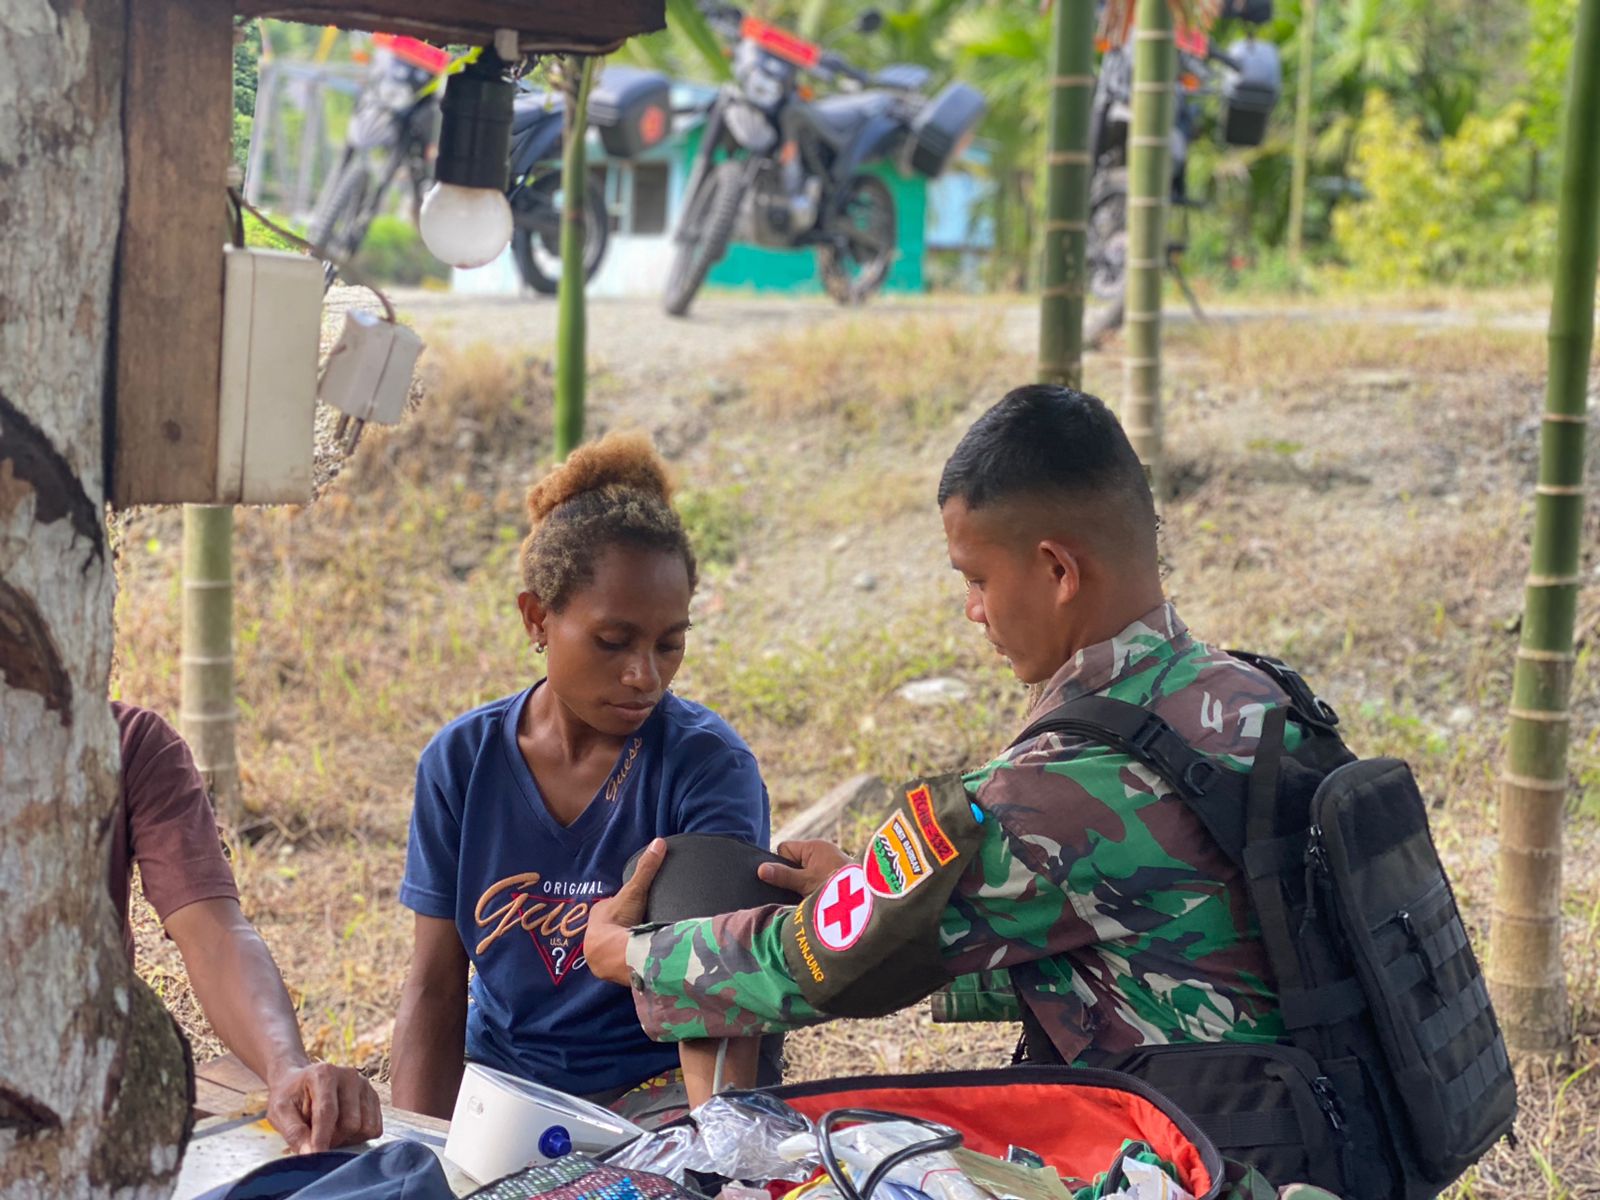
{"x":839,"y":117}
{"x":531,"y":109}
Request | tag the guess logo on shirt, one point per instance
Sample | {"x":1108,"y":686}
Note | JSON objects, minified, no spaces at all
{"x":554,"y":913}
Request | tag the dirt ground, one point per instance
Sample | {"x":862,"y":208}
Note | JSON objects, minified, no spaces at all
{"x":1347,"y":488}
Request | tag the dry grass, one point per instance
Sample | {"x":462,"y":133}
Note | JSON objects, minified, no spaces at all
{"x":1352,"y":497}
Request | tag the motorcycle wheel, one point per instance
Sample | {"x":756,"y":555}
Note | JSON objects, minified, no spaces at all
{"x":536,"y":241}
{"x":339,"y":222}
{"x":855,"y":266}
{"x":1108,"y":235}
{"x":703,"y":233}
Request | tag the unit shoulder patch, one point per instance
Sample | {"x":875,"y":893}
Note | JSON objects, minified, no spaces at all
{"x":896,"y":859}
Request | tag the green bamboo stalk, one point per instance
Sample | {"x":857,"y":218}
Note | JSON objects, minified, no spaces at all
{"x":1525,"y":975}
{"x":685,"y":17}
{"x":1155,"y":67}
{"x":209,"y":714}
{"x":1066,"y":225}
{"x":1302,"y":130}
{"x":571,"y":318}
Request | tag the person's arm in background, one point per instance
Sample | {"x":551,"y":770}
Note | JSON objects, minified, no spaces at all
{"x":428,"y":1050}
{"x":314,"y":1106}
{"x":430,"y":1030}
{"x":173,"y":837}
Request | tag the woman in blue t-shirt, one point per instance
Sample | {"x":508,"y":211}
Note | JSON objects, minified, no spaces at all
{"x":527,"y":808}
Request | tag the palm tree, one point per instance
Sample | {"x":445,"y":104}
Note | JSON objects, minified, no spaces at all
{"x":1525,"y":935}
{"x":1066,"y":226}
{"x":571,"y":339}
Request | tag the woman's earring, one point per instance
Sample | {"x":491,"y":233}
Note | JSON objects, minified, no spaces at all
{"x":539,"y":645}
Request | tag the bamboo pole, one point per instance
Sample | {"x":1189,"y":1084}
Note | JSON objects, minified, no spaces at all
{"x":1302,"y":130}
{"x":1067,"y":166}
{"x":209,"y":715}
{"x":571,"y":329}
{"x":1149,"y":188}
{"x":1525,"y":971}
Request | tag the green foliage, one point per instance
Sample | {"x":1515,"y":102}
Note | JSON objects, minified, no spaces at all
{"x":1444,"y":212}
{"x":392,"y":252}
{"x":1549,"y":53}
{"x":258,"y":236}
{"x":716,"y":520}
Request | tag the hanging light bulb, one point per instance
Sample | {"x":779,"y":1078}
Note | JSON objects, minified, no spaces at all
{"x":465,"y":219}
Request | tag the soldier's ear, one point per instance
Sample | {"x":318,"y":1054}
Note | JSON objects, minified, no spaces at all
{"x":1062,"y":564}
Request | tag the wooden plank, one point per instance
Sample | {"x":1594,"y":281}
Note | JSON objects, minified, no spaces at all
{"x":229,"y":1072}
{"x":585,"y":25}
{"x":177,"y":122}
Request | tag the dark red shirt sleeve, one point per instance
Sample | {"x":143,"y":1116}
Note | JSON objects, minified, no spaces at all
{"x":172,"y":833}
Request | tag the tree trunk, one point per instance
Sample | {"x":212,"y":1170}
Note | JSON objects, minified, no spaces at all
{"x":93,"y":1082}
{"x":1149,"y":189}
{"x":1302,"y":130}
{"x":210,"y":714}
{"x":1062,"y":274}
{"x":1525,"y":973}
{"x":571,"y":331}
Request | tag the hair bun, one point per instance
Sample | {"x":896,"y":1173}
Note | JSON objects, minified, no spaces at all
{"x":627,"y":460}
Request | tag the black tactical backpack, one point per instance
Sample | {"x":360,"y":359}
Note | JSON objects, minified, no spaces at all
{"x":1395,"y":1078}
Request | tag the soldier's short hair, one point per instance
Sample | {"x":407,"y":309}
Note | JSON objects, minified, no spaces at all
{"x":1043,"y":441}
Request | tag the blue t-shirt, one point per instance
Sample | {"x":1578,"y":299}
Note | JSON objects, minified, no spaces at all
{"x":486,"y":854}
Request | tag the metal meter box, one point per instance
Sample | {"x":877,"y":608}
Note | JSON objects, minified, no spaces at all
{"x":271,"y":313}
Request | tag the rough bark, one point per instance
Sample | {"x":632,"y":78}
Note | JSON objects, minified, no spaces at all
{"x":93,"y":1095}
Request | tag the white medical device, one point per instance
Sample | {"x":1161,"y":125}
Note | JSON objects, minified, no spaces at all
{"x":503,"y":1124}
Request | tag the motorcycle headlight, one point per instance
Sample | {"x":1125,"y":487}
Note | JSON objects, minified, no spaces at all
{"x":762,"y":89}
{"x":750,"y":128}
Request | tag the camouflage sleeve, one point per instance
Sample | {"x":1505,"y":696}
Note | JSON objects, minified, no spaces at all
{"x":1014,"y":904}
{"x":716,"y":977}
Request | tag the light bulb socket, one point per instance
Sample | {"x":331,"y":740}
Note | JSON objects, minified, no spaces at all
{"x":475,"y":130}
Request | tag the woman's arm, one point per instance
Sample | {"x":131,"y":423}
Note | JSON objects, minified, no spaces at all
{"x":430,"y":1030}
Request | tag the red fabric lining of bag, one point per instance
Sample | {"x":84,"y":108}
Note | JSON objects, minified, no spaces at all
{"x":1078,"y":1129}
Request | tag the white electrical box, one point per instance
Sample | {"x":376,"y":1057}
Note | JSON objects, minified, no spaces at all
{"x":368,"y":374}
{"x":271,"y":324}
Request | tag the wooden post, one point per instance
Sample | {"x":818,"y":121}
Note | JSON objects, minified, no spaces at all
{"x":1066,"y":228}
{"x":1525,"y":971}
{"x":1149,"y":188}
{"x":210,"y":714}
{"x":169,"y":275}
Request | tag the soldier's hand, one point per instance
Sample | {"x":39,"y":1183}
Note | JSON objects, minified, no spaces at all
{"x":815,"y":862}
{"x":605,"y":941}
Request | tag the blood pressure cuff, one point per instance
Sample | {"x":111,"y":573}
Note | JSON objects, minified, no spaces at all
{"x":706,"y":875}
{"x":867,"y":942}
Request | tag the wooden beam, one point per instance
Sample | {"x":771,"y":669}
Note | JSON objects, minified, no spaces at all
{"x":590,"y":26}
{"x":177,"y":121}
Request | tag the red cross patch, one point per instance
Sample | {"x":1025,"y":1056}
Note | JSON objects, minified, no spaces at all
{"x":843,"y":907}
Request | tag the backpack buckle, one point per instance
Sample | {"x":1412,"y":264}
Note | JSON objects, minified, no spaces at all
{"x":1310,"y":705}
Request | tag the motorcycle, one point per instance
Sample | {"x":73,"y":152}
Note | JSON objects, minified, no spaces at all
{"x":395,"y":128}
{"x":1250,"y":84}
{"x":780,"y":169}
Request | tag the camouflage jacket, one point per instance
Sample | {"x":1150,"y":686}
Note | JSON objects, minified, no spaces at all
{"x":1096,"y":896}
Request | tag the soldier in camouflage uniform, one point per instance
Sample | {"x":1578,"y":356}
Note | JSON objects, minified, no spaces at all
{"x":1089,"y":893}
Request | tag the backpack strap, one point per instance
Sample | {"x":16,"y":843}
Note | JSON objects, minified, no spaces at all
{"x":1213,"y":793}
{"x":1310,"y":708}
